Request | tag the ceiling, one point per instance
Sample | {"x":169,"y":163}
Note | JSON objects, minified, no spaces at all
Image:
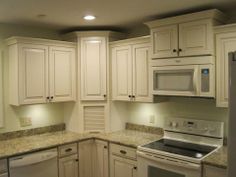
{"x":120,"y":14}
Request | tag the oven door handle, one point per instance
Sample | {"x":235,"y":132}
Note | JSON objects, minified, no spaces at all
{"x":169,"y":161}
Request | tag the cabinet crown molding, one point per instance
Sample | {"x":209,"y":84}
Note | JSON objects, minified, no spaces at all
{"x":112,"y":35}
{"x":225,"y":28}
{"x":135,"y":40}
{"x":213,"y":14}
{"x":28,"y":40}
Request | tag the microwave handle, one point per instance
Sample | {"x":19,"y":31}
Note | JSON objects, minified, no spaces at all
{"x":195,"y":80}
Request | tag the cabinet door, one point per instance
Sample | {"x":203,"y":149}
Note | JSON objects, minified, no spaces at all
{"x":100,"y":159}
{"x":196,"y":38}
{"x":225,"y":43}
{"x":93,"y":68}
{"x":121,"y":167}
{"x":62,"y":74}
{"x":211,"y":171}
{"x":122,"y":73}
{"x":68,"y":166}
{"x":33,"y":73}
{"x":141,"y":75}
{"x":164,"y":41}
{"x":86,"y":158}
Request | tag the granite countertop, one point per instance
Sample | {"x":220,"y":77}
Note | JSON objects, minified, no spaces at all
{"x":218,"y":158}
{"x":27,"y":144}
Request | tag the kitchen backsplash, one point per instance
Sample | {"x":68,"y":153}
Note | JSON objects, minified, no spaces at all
{"x":195,"y":108}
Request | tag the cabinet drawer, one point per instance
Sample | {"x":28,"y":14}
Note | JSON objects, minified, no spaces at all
{"x":123,"y":151}
{"x":67,"y":149}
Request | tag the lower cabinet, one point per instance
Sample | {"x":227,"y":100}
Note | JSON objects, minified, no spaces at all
{"x":68,"y":160}
{"x":68,"y":166}
{"x":122,"y":161}
{"x":93,"y":157}
{"x":211,"y":171}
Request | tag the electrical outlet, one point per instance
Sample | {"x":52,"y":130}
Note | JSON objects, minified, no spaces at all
{"x":25,"y":121}
{"x":151,"y":119}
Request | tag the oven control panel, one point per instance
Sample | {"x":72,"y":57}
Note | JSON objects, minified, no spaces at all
{"x":193,"y":126}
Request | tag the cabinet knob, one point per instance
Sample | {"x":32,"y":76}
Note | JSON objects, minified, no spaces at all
{"x":77,"y":160}
{"x":135,"y":168}
{"x":130,"y":96}
{"x":133,"y":96}
{"x":180,"y":50}
{"x":174,"y":50}
{"x":104,"y":96}
{"x":105,"y":147}
{"x":47,"y":97}
{"x":51,"y":97}
{"x":123,"y":152}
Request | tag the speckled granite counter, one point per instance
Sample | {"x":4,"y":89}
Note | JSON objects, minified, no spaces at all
{"x":218,"y":158}
{"x":27,"y":144}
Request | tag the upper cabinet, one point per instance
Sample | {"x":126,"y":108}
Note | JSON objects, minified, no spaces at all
{"x":225,"y":43}
{"x":185,"y":35}
{"x":93,"y":63}
{"x":130,"y":70}
{"x":93,"y":68}
{"x":41,"y":71}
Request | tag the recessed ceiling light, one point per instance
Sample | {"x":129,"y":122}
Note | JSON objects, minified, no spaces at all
{"x":89,"y":17}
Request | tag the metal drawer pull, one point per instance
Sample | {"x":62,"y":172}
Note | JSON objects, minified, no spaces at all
{"x":123,"y":152}
{"x":68,"y":150}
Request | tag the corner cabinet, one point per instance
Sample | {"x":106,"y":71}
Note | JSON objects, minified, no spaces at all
{"x":225,"y":43}
{"x":184,"y":35}
{"x":130,"y":70}
{"x":41,"y":71}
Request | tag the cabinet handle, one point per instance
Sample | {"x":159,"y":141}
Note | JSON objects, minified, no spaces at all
{"x":51,"y":97}
{"x":135,"y":168}
{"x":77,"y":160}
{"x":104,"y":96}
{"x":68,"y":150}
{"x":174,"y":50}
{"x":47,"y":97}
{"x":123,"y":152}
{"x":133,"y":96}
{"x":130,"y":96}
{"x":105,"y":147}
{"x":180,"y":50}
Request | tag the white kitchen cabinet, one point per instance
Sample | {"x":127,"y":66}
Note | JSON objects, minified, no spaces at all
{"x":184,"y":35}
{"x":225,"y":43}
{"x":122,"y":161}
{"x":69,"y":166}
{"x":86,"y":151}
{"x":41,"y":71}
{"x":121,"y":73}
{"x":165,"y":41}
{"x":101,"y":165}
{"x":211,"y":171}
{"x":1,"y":92}
{"x":62,"y":73}
{"x":130,"y":70}
{"x":93,"y":68}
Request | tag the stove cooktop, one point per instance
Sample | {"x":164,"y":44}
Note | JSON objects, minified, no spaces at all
{"x":192,"y":150}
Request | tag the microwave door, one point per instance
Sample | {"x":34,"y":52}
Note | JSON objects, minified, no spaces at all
{"x":176,"y":80}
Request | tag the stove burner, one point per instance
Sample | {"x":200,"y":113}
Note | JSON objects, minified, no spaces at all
{"x":181,"y":148}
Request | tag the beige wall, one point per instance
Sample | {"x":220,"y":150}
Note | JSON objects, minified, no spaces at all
{"x":42,"y":115}
{"x":194,"y":108}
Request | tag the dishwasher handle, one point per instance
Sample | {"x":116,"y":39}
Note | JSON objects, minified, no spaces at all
{"x":32,"y":159}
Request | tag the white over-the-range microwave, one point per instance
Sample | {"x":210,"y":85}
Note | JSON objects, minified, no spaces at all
{"x":189,"y":76}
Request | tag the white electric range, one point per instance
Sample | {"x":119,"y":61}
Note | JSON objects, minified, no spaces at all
{"x":180,"y":152}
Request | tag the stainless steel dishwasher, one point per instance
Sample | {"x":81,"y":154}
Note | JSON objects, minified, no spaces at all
{"x":38,"y":164}
{"x":3,"y":168}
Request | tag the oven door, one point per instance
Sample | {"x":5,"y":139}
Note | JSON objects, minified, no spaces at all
{"x":160,"y":166}
{"x":176,"y":80}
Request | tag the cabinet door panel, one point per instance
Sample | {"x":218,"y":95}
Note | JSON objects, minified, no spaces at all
{"x":62,"y":74}
{"x":69,"y":167}
{"x":121,"y":73}
{"x":101,"y":159}
{"x":141,"y":84}
{"x":86,"y":158}
{"x":196,"y":38}
{"x":121,"y":167}
{"x":225,"y":43}
{"x":93,"y":68}
{"x":33,"y":73}
{"x":164,"y":41}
